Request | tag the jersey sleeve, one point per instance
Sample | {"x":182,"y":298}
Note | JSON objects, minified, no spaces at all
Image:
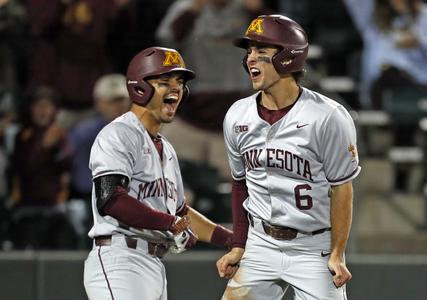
{"x":114,"y":151}
{"x":338,"y":147}
{"x":235,"y":159}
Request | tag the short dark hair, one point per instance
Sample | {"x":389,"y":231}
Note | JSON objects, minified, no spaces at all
{"x":298,"y":76}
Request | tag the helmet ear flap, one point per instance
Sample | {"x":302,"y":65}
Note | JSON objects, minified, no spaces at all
{"x":287,"y":61}
{"x":141,"y":92}
{"x":280,"y":61}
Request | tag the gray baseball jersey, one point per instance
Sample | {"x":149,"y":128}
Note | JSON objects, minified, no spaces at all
{"x":290,"y":166}
{"x":125,"y":147}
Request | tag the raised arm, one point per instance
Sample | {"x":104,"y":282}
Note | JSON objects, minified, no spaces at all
{"x":361,"y":12}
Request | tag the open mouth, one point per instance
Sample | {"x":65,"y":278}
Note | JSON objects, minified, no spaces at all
{"x":170,"y":100}
{"x":171,"y":103}
{"x":255,"y":73}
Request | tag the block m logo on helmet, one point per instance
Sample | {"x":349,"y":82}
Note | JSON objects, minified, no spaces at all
{"x":255,"y":27}
{"x":173,"y":58}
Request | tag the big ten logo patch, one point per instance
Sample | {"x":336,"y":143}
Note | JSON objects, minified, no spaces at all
{"x":241,"y":128}
{"x":255,"y":27}
{"x":173,"y":58}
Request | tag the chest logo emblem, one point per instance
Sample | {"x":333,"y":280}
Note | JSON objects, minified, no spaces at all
{"x":241,"y":128}
{"x":302,"y":125}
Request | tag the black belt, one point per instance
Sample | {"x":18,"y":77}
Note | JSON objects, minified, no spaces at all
{"x":283,"y":233}
{"x":155,"y":249}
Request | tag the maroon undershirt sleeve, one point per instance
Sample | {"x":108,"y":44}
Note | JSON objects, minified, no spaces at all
{"x":183,"y":24}
{"x":133,"y":213}
{"x":239,"y":193}
{"x":222,"y":237}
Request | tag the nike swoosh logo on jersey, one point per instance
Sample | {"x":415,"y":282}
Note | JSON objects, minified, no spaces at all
{"x":301,"y":126}
{"x":324,"y":254}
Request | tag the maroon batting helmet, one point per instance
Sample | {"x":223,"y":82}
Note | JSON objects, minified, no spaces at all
{"x":151,"y":62}
{"x":280,"y":31}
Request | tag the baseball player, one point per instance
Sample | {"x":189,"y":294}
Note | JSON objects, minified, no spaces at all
{"x":293,"y":157}
{"x":138,"y":203}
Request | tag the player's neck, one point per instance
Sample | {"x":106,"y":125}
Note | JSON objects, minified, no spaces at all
{"x":281,"y":95}
{"x":146,"y":118}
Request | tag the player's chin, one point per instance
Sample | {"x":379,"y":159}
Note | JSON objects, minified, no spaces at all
{"x":256,"y":85}
{"x":168,"y":119}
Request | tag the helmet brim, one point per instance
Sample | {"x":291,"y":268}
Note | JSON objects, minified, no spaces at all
{"x":244,"y":42}
{"x":187,"y":74}
{"x":241,"y":42}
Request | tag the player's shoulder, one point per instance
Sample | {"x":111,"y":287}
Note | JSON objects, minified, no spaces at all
{"x":241,"y":106}
{"x":318,"y":100}
{"x":321,"y":104}
{"x":121,"y":128}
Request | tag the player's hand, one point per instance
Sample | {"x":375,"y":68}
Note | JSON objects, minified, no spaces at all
{"x":341,"y":275}
{"x":229,"y":264}
{"x":53,"y":134}
{"x":180,"y":224}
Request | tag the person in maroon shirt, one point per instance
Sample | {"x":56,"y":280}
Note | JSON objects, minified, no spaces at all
{"x":40,"y":165}
{"x":68,"y":41}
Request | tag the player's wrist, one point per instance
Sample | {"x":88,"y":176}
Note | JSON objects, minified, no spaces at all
{"x":222,"y":237}
{"x":237,"y":251}
{"x":337,"y":255}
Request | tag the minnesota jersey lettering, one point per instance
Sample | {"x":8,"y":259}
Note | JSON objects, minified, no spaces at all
{"x":157,"y":188}
{"x":278,"y":159}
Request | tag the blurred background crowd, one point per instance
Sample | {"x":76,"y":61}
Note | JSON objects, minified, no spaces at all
{"x":62,"y":78}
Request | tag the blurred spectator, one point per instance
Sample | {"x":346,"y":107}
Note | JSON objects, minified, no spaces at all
{"x":394,"y":56}
{"x":394,"y":34}
{"x":40,"y":164}
{"x":7,"y":115}
{"x":12,"y":44}
{"x":69,"y":50}
{"x":111,"y":100}
{"x":203,"y":31}
{"x":133,"y":29}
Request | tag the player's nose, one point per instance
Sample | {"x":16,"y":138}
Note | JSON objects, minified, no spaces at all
{"x":251,"y":57}
{"x":175,"y":85}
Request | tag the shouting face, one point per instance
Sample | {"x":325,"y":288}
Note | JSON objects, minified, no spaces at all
{"x":261,"y":70}
{"x":168,"y":92}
